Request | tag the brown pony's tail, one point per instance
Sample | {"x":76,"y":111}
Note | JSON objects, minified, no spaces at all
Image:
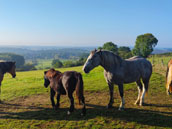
{"x":79,"y":88}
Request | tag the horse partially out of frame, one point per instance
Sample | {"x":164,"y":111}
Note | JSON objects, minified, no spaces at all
{"x":169,"y":77}
{"x":65,"y":83}
{"x":7,"y":67}
{"x":119,"y":71}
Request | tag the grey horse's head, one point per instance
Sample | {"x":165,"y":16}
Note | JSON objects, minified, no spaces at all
{"x":93,"y":60}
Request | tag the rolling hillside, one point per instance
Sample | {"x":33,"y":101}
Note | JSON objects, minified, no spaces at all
{"x":26,"y":104}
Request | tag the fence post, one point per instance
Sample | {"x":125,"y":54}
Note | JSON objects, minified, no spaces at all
{"x":162,"y":62}
{"x":152,"y":60}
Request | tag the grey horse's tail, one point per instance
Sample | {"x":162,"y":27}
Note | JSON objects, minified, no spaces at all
{"x":148,"y":79}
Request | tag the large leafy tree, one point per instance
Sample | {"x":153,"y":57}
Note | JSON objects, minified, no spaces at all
{"x":144,"y":45}
{"x":124,"y":52}
{"x":110,"y":46}
{"x":13,"y":57}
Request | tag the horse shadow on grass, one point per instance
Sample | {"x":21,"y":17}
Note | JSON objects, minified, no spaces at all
{"x":158,"y":105}
{"x":140,"y":116}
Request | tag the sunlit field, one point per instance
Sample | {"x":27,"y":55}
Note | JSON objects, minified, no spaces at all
{"x":26,"y":104}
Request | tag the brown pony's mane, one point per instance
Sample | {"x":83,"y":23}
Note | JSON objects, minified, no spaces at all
{"x":52,"y":73}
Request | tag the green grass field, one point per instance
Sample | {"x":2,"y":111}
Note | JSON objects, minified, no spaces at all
{"x":43,"y":64}
{"x":26,"y":104}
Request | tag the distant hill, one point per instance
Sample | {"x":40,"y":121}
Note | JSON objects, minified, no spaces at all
{"x":46,"y":52}
{"x":50,"y":52}
{"x":161,"y":50}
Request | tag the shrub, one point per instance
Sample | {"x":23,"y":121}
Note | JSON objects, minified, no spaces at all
{"x":56,"y":63}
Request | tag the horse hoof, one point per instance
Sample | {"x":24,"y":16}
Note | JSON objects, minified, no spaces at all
{"x":109,"y":106}
{"x":68,"y":112}
{"x":82,"y":114}
{"x":121,"y":108}
{"x":136,"y":103}
{"x":55,"y":108}
{"x":141,"y":104}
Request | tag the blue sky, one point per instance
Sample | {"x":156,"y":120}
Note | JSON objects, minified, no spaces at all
{"x":84,"y":22}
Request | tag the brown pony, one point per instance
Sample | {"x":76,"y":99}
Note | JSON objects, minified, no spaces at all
{"x":169,"y":77}
{"x":65,"y":83}
{"x":7,"y":67}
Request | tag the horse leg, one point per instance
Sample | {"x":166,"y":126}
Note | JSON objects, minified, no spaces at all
{"x":121,"y":91}
{"x":1,"y":78}
{"x":0,"y":93}
{"x":139,"y":86}
{"x":111,"y":100}
{"x":58,"y":101}
{"x":52,"y":94}
{"x":71,"y":109}
{"x":83,"y":106}
{"x":145,"y":88}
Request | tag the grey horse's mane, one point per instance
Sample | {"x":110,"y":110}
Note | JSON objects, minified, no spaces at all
{"x":110,"y":58}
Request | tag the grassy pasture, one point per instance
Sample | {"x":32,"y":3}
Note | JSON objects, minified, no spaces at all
{"x":26,"y":104}
{"x":42,"y":63}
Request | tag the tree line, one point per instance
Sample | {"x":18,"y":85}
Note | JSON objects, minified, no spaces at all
{"x":143,"y":47}
{"x":20,"y":61}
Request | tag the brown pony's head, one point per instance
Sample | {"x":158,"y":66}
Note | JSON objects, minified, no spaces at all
{"x":49,"y":75}
{"x":12,"y":69}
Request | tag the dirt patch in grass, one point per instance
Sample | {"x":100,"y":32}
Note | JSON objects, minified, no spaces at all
{"x":157,"y":112}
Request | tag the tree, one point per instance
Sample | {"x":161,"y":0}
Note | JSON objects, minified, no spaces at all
{"x":56,"y":63}
{"x":13,"y":57}
{"x":144,"y":45}
{"x":69,"y":63}
{"x":124,"y":52}
{"x":110,"y":47}
{"x":124,"y":49}
{"x":27,"y":67}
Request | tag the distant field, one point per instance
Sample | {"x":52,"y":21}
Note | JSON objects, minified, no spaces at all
{"x":161,"y":60}
{"x":155,"y":59}
{"x":43,"y":64}
{"x":26,"y":104}
{"x":29,"y":83}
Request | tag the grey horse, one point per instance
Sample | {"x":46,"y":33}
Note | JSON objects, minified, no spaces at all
{"x":119,"y":71}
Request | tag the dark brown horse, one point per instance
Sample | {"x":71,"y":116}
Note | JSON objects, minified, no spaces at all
{"x":7,"y":67}
{"x":65,"y":83}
